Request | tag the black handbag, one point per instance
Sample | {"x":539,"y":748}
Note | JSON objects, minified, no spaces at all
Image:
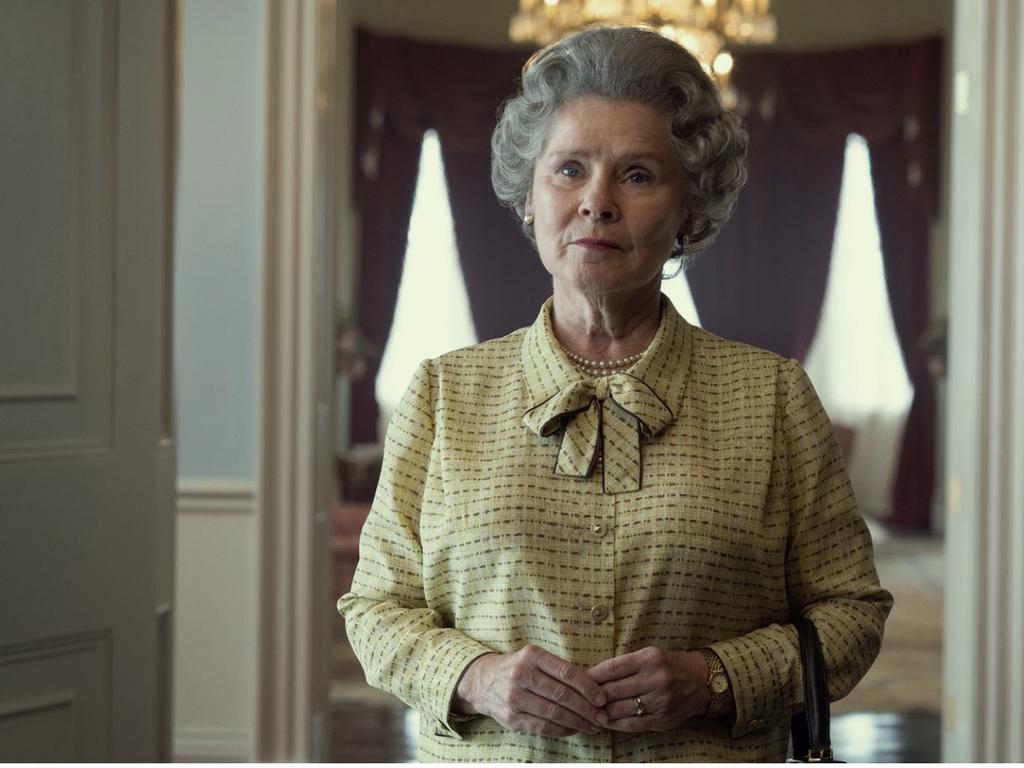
{"x":809,"y":729}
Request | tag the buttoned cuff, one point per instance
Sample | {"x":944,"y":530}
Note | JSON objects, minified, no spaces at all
{"x":450,"y":663}
{"x":762,"y":689}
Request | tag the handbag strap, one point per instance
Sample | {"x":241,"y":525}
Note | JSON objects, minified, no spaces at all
{"x":810,"y":729}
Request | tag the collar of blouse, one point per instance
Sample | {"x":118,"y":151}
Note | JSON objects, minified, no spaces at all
{"x":605,"y":416}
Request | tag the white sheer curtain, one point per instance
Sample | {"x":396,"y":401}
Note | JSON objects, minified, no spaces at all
{"x":678,"y":291}
{"x":855,"y":361}
{"x":432,"y":314}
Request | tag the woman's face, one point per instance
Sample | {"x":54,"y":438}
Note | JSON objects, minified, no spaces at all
{"x":606,"y":197}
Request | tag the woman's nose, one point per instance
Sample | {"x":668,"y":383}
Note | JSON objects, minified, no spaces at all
{"x":598,"y":202}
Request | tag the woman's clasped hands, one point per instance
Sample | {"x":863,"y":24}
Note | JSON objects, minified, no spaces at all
{"x":653,"y":689}
{"x":534,"y":691}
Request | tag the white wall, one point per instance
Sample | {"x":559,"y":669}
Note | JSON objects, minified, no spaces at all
{"x":218,"y":276}
{"x":219,"y":236}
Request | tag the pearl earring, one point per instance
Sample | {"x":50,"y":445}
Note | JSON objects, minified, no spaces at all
{"x":528,"y":219}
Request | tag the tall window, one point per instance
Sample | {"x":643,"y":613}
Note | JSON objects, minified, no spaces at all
{"x":855,"y":362}
{"x":432,"y":314}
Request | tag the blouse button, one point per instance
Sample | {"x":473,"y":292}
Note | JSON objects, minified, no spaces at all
{"x":599,"y":612}
{"x":599,"y":530}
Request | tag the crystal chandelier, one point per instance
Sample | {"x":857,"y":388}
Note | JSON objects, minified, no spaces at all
{"x":703,"y":27}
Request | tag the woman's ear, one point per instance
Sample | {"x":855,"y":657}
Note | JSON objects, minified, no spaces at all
{"x":695,"y":227}
{"x":686,"y":228}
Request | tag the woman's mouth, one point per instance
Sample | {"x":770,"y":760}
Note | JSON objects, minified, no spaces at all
{"x":594,"y":243}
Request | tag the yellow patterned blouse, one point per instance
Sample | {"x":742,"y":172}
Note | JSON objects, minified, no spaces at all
{"x":721,"y":508}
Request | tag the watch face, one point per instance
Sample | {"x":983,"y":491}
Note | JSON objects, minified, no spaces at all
{"x":719,"y":683}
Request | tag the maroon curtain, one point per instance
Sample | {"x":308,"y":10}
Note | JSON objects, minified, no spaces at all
{"x":384,"y":233}
{"x":403,"y":88}
{"x":904,"y":233}
{"x":386,"y":166}
{"x":904,"y":174}
{"x":763,"y":280}
{"x":505,"y":280}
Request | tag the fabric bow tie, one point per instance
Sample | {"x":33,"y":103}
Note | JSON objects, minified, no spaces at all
{"x":617,"y":410}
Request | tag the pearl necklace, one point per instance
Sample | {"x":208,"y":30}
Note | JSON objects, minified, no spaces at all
{"x":603,"y":367}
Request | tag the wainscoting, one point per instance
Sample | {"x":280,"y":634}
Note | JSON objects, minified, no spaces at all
{"x":216,"y":640}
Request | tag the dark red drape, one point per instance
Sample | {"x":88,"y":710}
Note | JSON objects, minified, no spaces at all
{"x":384,"y":180}
{"x":905,"y":180}
{"x":404,"y":88}
{"x":763,"y":281}
{"x":505,"y":280}
{"x":904,"y":233}
{"x":384,"y":231}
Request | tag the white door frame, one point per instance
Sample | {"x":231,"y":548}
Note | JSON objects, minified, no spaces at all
{"x":297,"y":380}
{"x":983,"y":666}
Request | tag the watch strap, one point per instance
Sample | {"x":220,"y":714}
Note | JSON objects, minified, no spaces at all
{"x":718,"y":684}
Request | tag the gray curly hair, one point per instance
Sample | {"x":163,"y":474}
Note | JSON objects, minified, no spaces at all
{"x":629,"y":64}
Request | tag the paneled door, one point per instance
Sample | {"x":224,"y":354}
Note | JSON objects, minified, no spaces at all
{"x":87,"y":90}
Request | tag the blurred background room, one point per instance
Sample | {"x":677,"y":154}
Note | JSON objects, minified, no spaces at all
{"x":231,"y":229}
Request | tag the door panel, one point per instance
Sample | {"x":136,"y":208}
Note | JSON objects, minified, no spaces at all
{"x":56,"y":303}
{"x":86,"y":444}
{"x":56,"y":703}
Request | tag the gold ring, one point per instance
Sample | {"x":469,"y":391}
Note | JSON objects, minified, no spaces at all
{"x":640,"y":710}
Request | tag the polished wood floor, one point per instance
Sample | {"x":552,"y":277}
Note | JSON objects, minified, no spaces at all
{"x":382,"y":733}
{"x":372,"y":733}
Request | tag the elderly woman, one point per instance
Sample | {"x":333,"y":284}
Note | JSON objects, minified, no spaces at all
{"x":590,"y":536}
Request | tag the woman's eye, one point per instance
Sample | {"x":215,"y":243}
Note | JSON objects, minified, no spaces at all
{"x":639,"y":177}
{"x":569,"y":170}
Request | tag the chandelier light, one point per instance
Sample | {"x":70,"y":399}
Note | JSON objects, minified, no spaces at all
{"x":703,"y":27}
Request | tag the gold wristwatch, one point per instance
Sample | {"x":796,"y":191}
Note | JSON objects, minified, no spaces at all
{"x":718,"y":684}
